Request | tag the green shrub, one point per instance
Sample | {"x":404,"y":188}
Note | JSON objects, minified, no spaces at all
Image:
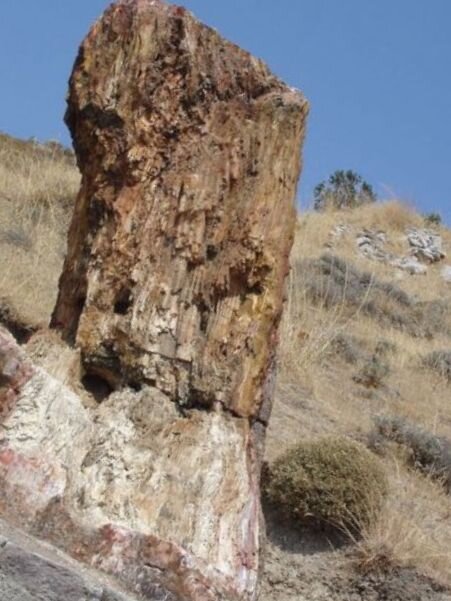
{"x":329,"y":481}
{"x":349,"y":348}
{"x":433,"y":219}
{"x":343,"y":189}
{"x":439,"y":361}
{"x":376,"y":368}
{"x":372,"y":374}
{"x":427,"y":452}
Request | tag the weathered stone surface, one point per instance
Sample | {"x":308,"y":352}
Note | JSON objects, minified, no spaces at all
{"x":32,"y":571}
{"x":27,"y":577}
{"x":372,"y":245}
{"x":167,"y":503}
{"x":426,"y":245}
{"x":190,"y":153}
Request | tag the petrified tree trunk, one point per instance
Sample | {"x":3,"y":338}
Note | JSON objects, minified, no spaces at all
{"x":166,"y":504}
{"x":190,"y":155}
{"x":172,"y":290}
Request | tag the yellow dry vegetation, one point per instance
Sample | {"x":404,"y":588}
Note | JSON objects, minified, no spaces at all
{"x":38,"y":184}
{"x":413,"y":529}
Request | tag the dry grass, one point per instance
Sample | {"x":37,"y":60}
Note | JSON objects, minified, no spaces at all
{"x":308,"y":328}
{"x":413,"y":529}
{"x":38,"y":184}
{"x":35,"y":176}
{"x":393,"y":215}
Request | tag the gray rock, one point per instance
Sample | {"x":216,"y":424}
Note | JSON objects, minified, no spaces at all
{"x":426,"y":245}
{"x":411,"y":265}
{"x":446,"y":273}
{"x":371,"y":245}
{"x":27,"y":576}
{"x":339,"y":231}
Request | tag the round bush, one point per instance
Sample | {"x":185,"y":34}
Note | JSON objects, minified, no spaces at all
{"x":330,"y":481}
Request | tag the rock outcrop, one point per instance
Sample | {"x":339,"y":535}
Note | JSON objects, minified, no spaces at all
{"x":171,"y":295}
{"x":424,"y":247}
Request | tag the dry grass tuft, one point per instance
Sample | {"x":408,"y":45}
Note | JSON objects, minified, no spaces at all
{"x":413,"y":529}
{"x":394,"y":215}
{"x":38,"y":185}
{"x":425,"y":451}
{"x":36,"y":177}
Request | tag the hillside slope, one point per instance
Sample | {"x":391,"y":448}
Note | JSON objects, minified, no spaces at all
{"x":38,"y":184}
{"x":365,"y":354}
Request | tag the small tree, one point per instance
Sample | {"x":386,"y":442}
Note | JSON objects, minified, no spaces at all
{"x":343,"y":189}
{"x":433,"y":219}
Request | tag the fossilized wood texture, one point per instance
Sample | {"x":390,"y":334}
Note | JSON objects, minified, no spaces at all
{"x":166,"y":503}
{"x":172,"y":292}
{"x":190,"y":154}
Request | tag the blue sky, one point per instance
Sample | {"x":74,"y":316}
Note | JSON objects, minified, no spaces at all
{"x":376,"y":73}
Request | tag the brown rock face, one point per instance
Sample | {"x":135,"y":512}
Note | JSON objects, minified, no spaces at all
{"x":190,"y":153}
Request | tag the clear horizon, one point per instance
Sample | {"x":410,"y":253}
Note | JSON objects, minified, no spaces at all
{"x":374,"y":74}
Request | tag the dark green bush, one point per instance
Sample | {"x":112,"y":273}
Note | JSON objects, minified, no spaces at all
{"x":343,"y":189}
{"x":433,"y":219}
{"x":330,"y":481}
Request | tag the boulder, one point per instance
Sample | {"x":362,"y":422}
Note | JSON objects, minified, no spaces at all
{"x":410,"y":264}
{"x":426,"y":245}
{"x":337,"y":233}
{"x":168,"y":311}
